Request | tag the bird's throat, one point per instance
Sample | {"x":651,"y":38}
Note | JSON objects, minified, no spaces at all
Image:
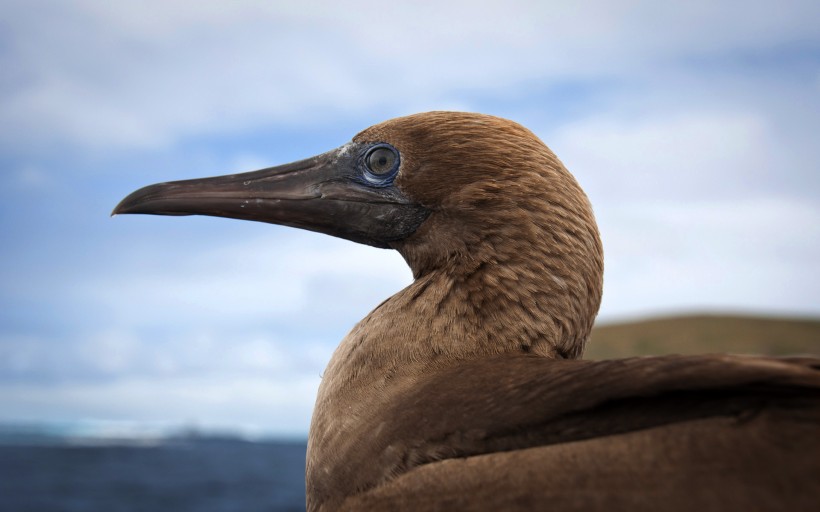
{"x":445,"y":317}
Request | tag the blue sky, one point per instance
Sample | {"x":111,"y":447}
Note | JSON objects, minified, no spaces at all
{"x":692,"y":126}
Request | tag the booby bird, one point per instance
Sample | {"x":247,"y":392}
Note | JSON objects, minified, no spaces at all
{"x":465,"y":390}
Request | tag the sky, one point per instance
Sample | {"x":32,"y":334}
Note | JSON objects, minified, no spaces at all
{"x":691,"y":125}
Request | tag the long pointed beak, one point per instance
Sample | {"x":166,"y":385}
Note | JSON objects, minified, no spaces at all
{"x":324,"y":193}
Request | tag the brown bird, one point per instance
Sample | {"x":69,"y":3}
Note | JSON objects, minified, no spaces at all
{"x":465,"y":390}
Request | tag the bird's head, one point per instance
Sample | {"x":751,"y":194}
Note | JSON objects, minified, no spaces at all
{"x":433,"y":185}
{"x":445,"y":189}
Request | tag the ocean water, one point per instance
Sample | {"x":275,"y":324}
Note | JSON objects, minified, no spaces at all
{"x":202,"y":475}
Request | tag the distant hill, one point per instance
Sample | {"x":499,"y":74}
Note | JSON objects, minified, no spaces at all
{"x":704,"y":334}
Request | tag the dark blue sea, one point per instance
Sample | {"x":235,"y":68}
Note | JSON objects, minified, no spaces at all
{"x":198,"y":474}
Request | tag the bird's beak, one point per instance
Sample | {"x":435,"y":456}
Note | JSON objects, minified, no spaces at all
{"x":326,"y":193}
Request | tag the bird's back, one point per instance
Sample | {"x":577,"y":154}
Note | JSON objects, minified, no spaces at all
{"x":671,"y":433}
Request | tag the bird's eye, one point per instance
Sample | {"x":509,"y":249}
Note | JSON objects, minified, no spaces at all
{"x":381,"y":163}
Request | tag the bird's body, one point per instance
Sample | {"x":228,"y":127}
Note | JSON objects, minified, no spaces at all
{"x":463,"y":391}
{"x":670,"y":433}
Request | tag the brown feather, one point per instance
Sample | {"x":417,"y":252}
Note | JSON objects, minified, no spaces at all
{"x":464,"y":390}
{"x":452,"y":393}
{"x":715,"y":463}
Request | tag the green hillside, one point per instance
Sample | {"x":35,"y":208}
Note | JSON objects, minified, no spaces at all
{"x":702,"y":334}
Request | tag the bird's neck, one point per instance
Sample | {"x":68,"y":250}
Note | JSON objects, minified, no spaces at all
{"x":462,"y":310}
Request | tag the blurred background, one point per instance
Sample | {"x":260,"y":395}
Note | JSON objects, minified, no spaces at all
{"x":692,"y":126}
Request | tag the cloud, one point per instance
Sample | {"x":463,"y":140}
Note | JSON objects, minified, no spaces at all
{"x":108,"y":354}
{"x":264,"y":309}
{"x":697,"y":212}
{"x":691,"y":126}
{"x":282,"y":276}
{"x":146,"y":75}
{"x":675,"y":155}
{"x":252,"y":404}
{"x":749,"y":254}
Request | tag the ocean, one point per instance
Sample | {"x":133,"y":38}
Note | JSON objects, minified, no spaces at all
{"x":181,"y":475}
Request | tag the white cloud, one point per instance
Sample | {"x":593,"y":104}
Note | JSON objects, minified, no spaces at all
{"x":141,"y":75}
{"x":670,"y":155}
{"x":279,"y":276}
{"x":254,"y":404}
{"x":749,"y":254}
{"x":696,"y":147}
{"x":697,"y":209}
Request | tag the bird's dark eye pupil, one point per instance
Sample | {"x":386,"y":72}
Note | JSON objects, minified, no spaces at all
{"x":381,"y":160}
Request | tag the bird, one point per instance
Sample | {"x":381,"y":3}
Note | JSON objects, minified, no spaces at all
{"x":467,"y":389}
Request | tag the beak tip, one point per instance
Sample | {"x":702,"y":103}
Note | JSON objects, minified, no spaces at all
{"x":120,"y":208}
{"x":137,"y":201}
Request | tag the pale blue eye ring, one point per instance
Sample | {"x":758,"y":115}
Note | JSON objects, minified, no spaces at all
{"x":381,"y":163}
